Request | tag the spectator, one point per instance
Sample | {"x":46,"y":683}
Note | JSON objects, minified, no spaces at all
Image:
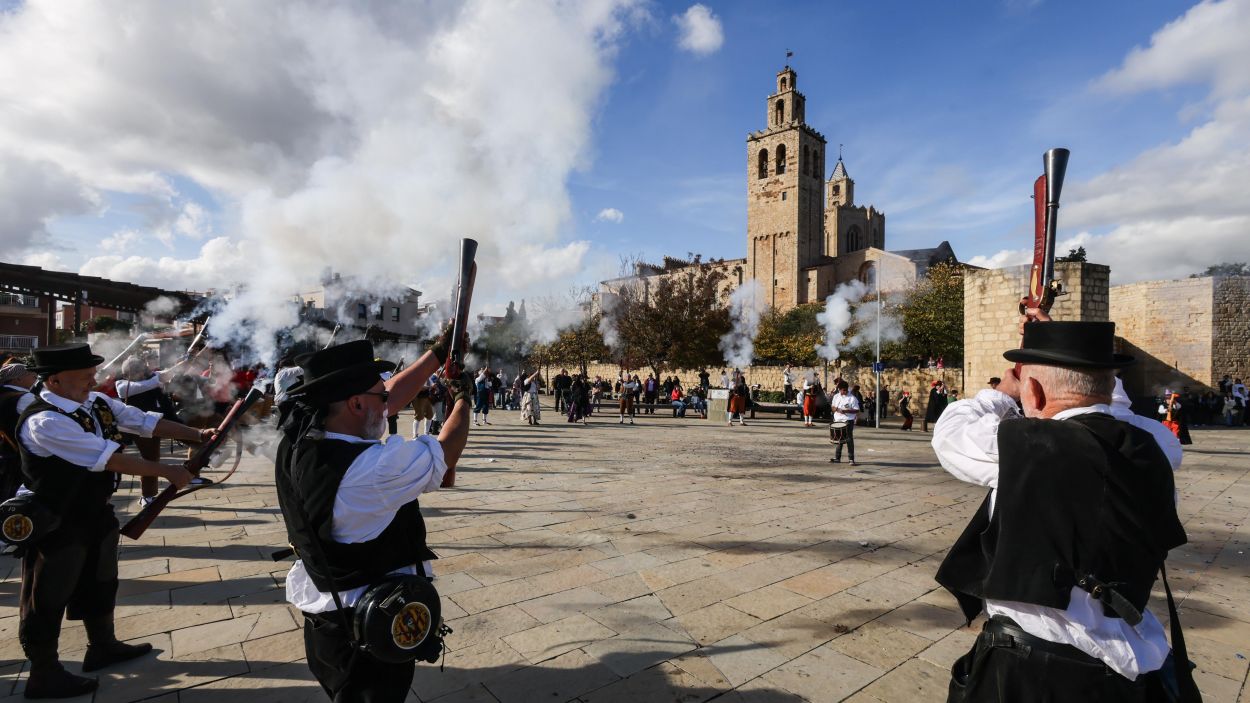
{"x":937,"y":404}
{"x":679,"y":405}
{"x":650,"y":393}
{"x":560,"y":386}
{"x":705,"y":379}
{"x":904,"y":409}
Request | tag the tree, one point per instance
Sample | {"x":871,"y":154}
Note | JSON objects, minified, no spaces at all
{"x":579,"y":345}
{"x":670,"y":321}
{"x":933,"y":315}
{"x":1227,"y":268}
{"x":790,"y":337}
{"x":1077,"y":254}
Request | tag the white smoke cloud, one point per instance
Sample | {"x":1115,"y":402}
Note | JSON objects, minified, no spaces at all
{"x":838,"y":316}
{"x":364,"y":137}
{"x":746,"y":306}
{"x":700,"y":30}
{"x":610,"y":214}
{"x":609,"y":304}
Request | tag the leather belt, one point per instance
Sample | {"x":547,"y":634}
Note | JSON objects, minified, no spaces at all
{"x":1002,"y":631}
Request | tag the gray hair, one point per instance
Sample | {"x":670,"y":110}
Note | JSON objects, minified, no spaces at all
{"x":135,"y":369}
{"x":1082,"y":381}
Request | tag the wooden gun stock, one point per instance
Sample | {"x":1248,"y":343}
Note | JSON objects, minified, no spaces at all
{"x":143,"y":520}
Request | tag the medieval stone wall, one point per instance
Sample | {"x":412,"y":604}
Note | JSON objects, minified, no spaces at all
{"x":916,"y":381}
{"x":1230,"y":346}
{"x":992,"y":312}
{"x":1166,"y":326}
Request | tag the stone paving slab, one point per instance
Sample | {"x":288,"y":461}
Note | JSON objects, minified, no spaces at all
{"x":672,"y":560}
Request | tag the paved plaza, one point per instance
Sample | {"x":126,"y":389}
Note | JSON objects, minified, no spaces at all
{"x":673,"y":560}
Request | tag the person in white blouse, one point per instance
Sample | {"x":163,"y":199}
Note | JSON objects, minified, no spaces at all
{"x":1065,"y":549}
{"x":350,"y":503}
{"x":69,"y":442}
{"x":845,"y":409}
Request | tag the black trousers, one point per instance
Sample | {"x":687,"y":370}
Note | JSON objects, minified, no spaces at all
{"x":1000,"y":668}
{"x":347,"y":676}
{"x":848,"y":439}
{"x":72,"y":571}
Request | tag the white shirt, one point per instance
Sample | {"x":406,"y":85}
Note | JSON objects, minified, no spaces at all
{"x":381,"y":480}
{"x":629,"y":386}
{"x":283,"y":380}
{"x":24,"y":401}
{"x":845,"y":407}
{"x":50,"y":433}
{"x":788,"y":377}
{"x":1239,"y":391}
{"x":966,"y":442}
{"x":126,"y":389}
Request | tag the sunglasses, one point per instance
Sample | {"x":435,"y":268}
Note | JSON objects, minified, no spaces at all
{"x":384,"y":395}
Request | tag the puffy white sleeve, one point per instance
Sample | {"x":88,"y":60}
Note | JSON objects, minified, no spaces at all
{"x":965,"y":438}
{"x":383,"y":479}
{"x":129,"y":418}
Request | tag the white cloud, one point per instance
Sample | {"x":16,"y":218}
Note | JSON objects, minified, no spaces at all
{"x":700,"y":30}
{"x":121,"y":242}
{"x":610,"y":214}
{"x":45,"y":260}
{"x":360,"y":136}
{"x":1178,"y":207}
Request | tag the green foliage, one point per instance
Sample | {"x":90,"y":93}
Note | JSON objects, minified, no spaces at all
{"x":1077,"y":254}
{"x":790,"y":337}
{"x":576,"y":346}
{"x":933,"y":316}
{"x":1227,"y":268}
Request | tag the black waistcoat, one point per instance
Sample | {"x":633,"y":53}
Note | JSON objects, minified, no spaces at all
{"x":8,"y":420}
{"x":74,"y":492}
{"x":309,"y":477}
{"x":1089,"y":495}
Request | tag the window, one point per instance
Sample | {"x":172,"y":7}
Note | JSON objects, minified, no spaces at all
{"x":781,"y":159}
{"x":781,"y":111}
{"x":377,"y":312}
{"x":394,"y":314}
{"x":854,"y":239}
{"x":805,"y":161}
{"x":783,"y":83}
{"x":362,"y":311}
{"x":784,"y":194}
{"x":763,"y":165}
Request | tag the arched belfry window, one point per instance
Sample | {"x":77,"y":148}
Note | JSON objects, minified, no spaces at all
{"x":783,"y":83}
{"x":804,"y":161}
{"x":763,"y":163}
{"x":781,"y":111}
{"x":854,"y":239}
{"x":781,"y":159}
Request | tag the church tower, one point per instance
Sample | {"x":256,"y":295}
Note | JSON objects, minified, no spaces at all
{"x":849,"y":227}
{"x":785,"y":198}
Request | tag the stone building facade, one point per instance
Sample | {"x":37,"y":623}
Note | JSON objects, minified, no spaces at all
{"x":1186,"y":332}
{"x":992,"y":311}
{"x":806,"y":235}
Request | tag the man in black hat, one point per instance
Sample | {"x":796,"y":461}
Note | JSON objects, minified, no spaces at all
{"x":350,"y":503}
{"x":1063,"y":553}
{"x":68,"y":440}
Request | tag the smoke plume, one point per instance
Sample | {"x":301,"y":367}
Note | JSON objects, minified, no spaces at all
{"x":837,"y":317}
{"x":746,"y":306}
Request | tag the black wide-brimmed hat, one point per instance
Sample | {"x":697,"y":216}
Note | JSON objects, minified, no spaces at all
{"x":339,"y":372}
{"x":1082,"y":344}
{"x":64,"y":357}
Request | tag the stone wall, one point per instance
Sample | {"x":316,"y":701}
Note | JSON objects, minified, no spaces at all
{"x":1230,"y":346}
{"x":917,"y":381}
{"x":1166,"y":326}
{"x":992,"y":313}
{"x":1184,"y":332}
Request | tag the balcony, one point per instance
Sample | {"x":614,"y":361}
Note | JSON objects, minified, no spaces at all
{"x":18,"y":342}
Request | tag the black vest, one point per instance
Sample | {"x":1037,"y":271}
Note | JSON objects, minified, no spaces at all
{"x":8,"y":420}
{"x":76,"y":494}
{"x":1087,"y":496}
{"x":309,"y":477}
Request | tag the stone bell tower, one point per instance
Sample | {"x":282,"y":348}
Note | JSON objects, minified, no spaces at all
{"x":785,"y":196}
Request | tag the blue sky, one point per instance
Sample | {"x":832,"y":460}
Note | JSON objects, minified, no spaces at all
{"x":944,"y":108}
{"x":192,"y":148}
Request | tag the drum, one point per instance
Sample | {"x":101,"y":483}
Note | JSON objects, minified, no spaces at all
{"x":837,"y":432}
{"x":400,"y":619}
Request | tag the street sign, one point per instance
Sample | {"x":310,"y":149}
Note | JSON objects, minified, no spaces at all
{"x":878,"y":367}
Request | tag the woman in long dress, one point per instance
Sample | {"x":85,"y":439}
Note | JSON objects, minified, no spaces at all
{"x":531,"y":409}
{"x":937,"y":403}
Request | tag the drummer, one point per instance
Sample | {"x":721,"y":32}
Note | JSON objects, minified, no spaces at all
{"x":845,"y":408}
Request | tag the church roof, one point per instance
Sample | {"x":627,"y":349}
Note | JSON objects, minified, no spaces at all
{"x":839,"y":171}
{"x":928,"y":257}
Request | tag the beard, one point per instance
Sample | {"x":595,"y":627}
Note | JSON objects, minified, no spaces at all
{"x":375,"y":424}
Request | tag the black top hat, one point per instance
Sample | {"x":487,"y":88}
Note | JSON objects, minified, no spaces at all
{"x":64,"y":357}
{"x":339,"y":372}
{"x":1083,"y":344}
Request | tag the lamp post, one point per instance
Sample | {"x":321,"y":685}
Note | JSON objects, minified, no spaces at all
{"x":876,"y":367}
